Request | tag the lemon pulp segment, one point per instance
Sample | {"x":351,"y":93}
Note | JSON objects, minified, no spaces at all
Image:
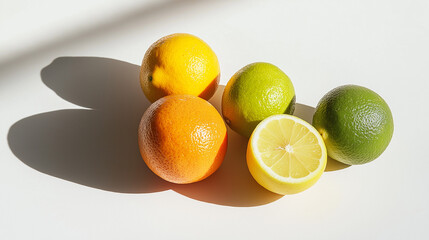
{"x":288,"y":153}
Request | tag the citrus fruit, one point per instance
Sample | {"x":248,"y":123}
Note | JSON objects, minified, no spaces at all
{"x":355,"y":122}
{"x":286,"y":154}
{"x":254,"y":93}
{"x":182,"y":138}
{"x":179,"y":64}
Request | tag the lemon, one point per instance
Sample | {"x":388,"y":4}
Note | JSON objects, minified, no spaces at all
{"x":285,"y":154}
{"x":254,"y":93}
{"x":179,"y":64}
{"x":355,"y":122}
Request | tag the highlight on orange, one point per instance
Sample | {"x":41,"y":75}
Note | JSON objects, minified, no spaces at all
{"x":182,"y":138}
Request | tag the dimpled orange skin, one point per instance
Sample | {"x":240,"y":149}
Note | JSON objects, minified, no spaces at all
{"x":179,"y":63}
{"x":182,"y":138}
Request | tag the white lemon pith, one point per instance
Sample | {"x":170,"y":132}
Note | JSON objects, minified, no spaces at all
{"x":286,"y":154}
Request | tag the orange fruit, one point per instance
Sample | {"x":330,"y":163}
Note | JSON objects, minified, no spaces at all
{"x":179,"y":64}
{"x":182,"y":138}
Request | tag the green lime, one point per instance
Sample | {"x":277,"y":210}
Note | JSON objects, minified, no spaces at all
{"x":355,"y":122}
{"x":254,"y":93}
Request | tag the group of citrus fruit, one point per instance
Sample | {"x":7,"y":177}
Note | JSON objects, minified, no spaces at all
{"x":183,"y":138}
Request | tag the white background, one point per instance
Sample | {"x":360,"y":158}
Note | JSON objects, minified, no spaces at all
{"x":70,"y":103}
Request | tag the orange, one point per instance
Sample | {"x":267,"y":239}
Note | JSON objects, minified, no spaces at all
{"x":182,"y":138}
{"x":179,"y":64}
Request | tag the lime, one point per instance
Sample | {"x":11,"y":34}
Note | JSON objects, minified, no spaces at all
{"x":286,"y":154}
{"x":355,"y":122}
{"x":254,"y":93}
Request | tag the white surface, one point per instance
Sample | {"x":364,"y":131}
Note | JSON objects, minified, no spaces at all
{"x":70,"y":167}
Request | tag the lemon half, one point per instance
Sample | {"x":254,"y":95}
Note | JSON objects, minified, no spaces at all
{"x":285,"y":154}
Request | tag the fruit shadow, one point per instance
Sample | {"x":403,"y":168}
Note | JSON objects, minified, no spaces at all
{"x":97,"y":147}
{"x":306,"y":113}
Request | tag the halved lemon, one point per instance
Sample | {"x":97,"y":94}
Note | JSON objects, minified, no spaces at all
{"x":286,"y":154}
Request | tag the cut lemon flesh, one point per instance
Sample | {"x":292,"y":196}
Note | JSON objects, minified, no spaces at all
{"x":286,"y":154}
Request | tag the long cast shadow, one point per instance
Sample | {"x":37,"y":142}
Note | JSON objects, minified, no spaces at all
{"x":97,"y":147}
{"x":143,"y":14}
{"x":94,"y":147}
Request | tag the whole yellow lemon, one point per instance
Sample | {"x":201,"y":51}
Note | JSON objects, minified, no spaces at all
{"x":179,"y":64}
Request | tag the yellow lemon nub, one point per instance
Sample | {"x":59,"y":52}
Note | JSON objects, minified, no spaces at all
{"x":285,"y":154}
